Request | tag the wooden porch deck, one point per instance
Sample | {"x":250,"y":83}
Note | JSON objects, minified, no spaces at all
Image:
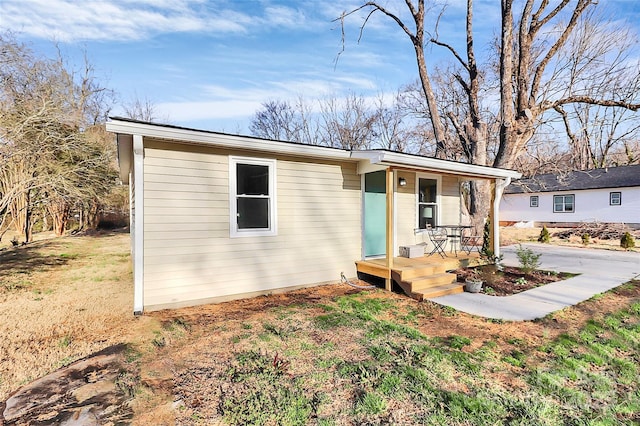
{"x":421,"y":277}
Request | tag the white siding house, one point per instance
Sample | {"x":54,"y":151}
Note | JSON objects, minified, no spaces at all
{"x":604,"y":195}
{"x":218,"y":217}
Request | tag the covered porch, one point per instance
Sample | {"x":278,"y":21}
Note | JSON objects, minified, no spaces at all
{"x":407,"y":194}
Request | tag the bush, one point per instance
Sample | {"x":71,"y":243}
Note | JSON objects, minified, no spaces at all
{"x":585,"y":239}
{"x":627,"y":241}
{"x":529,"y":261}
{"x":485,"y":237}
{"x":544,"y":235}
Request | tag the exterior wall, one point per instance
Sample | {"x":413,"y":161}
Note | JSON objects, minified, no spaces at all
{"x":406,"y":208}
{"x":590,"y":205}
{"x":189,"y":256}
{"x":450,"y":201}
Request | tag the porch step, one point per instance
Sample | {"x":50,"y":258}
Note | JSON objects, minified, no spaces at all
{"x":428,"y":281}
{"x":441,"y":290}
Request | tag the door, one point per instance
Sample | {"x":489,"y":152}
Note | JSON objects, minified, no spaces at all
{"x":375,"y":214}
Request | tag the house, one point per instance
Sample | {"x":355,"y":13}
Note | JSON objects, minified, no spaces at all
{"x":610,"y":195}
{"x":218,"y":217}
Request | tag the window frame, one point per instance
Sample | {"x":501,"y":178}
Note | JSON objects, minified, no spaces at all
{"x":272,"y":230}
{"x":564,"y":203}
{"x":611,"y":194}
{"x":531,"y":201}
{"x":437,"y":204}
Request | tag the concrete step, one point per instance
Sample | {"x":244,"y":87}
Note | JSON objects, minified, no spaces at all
{"x":441,"y":290}
{"x":423,"y":282}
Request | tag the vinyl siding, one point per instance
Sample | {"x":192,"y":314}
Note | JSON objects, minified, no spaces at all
{"x":406,"y":209}
{"x":189,"y":256}
{"x":450,"y":201}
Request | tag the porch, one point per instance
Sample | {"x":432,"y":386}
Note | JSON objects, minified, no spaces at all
{"x":421,"y":277}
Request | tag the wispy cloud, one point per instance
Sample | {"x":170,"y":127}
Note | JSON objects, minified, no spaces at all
{"x":130,"y":20}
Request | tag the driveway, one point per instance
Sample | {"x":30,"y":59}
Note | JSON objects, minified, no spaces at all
{"x":600,"y":270}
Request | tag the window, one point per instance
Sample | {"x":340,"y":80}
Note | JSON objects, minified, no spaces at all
{"x":427,"y":203}
{"x":615,"y":198}
{"x":533,"y":201}
{"x":563,"y":203}
{"x":252,"y":197}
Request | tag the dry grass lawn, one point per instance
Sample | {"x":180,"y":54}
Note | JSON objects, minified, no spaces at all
{"x":511,"y":235}
{"x":62,"y":299}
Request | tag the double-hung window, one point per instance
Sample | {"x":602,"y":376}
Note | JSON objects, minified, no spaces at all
{"x":615,"y":198}
{"x":533,"y":201}
{"x":563,"y":203}
{"x":252,"y":196}
{"x":427,"y":203}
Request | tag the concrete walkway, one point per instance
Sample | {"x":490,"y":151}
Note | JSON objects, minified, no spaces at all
{"x":600,"y":270}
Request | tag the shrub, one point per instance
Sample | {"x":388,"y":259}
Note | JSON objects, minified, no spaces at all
{"x":627,"y":241}
{"x":485,"y":237}
{"x":529,"y":261}
{"x":585,"y":239}
{"x":544,"y":235}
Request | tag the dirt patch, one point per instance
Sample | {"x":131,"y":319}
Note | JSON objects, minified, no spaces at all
{"x":511,"y":280}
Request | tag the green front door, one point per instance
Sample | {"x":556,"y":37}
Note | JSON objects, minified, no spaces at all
{"x":375,"y":214}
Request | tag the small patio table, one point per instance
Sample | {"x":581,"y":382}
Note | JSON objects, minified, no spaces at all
{"x":454,"y":233}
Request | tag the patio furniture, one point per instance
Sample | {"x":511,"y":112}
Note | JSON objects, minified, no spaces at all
{"x":438,"y":238}
{"x":454,"y":234}
{"x":470,"y":242}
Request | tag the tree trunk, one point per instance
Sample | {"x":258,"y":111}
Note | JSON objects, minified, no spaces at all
{"x":59,"y":210}
{"x":92,"y":215}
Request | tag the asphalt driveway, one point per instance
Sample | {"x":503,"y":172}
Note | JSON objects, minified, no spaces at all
{"x":600,"y":270}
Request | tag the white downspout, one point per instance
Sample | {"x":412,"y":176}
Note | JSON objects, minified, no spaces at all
{"x":138,"y":225}
{"x":501,"y":184}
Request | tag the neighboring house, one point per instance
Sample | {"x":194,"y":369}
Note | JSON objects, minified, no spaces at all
{"x":217,"y":217}
{"x":610,"y":195}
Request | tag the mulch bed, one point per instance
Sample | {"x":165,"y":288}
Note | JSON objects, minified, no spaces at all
{"x":512,"y":280}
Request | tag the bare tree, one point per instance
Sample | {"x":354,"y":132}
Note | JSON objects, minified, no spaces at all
{"x":143,"y":109}
{"x":278,"y":120}
{"x":50,"y":156}
{"x":535,"y":54}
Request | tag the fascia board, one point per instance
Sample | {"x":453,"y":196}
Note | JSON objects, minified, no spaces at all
{"x":403,"y":160}
{"x":225,"y":141}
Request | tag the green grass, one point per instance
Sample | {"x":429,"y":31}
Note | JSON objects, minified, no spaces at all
{"x":289,"y":373}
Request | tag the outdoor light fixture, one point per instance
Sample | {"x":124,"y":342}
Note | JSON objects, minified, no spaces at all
{"x":402,"y":182}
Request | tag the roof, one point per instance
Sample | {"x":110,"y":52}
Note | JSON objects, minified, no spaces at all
{"x":125,"y":128}
{"x":611,"y":177}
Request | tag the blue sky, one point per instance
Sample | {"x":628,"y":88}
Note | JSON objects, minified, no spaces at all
{"x":210,"y":64}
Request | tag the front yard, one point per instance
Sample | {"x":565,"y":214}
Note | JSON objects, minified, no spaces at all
{"x":327,"y":355}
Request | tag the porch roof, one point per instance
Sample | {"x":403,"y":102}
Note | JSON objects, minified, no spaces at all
{"x":411,"y":161}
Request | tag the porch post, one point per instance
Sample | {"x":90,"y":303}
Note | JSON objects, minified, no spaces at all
{"x":389,"y":249}
{"x":497,"y":188}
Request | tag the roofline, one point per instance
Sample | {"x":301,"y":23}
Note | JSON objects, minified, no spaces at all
{"x":120,"y":125}
{"x":125,"y":126}
{"x":398,"y":159}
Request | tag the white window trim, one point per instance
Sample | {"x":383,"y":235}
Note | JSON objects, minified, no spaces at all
{"x":234,"y":232}
{"x":619,"y":203}
{"x":564,"y":203}
{"x":438,"y":203}
{"x":531,"y":201}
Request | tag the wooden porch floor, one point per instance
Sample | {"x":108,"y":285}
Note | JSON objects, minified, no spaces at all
{"x":421,"y":277}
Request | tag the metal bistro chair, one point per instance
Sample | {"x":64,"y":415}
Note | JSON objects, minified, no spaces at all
{"x":469,"y":242}
{"x":438,"y":237}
